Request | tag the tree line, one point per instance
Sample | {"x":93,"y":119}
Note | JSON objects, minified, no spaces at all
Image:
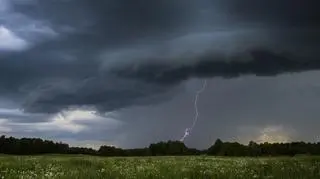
{"x":36,"y":146}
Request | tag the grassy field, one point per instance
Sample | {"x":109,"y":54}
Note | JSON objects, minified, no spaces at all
{"x":86,"y":167}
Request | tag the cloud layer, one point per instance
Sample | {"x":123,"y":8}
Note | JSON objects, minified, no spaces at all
{"x":117,"y":54}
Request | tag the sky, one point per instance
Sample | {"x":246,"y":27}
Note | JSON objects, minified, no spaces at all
{"x":125,"y":73}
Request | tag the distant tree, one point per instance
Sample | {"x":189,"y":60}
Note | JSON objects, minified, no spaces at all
{"x":110,"y":151}
{"x":168,"y":148}
{"x":254,"y":149}
{"x":34,"y":146}
{"x":233,"y":149}
{"x":216,"y":148}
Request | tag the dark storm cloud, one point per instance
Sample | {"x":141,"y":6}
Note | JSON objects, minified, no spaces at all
{"x":282,"y":13}
{"x":73,"y":69}
{"x":263,"y":63}
{"x":114,"y":21}
{"x":47,"y":81}
{"x":64,"y":72}
{"x":18,"y":116}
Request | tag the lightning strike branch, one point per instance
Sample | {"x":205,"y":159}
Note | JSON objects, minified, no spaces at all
{"x":195,"y":119}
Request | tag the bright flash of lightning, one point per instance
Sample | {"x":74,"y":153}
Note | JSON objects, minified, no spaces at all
{"x":195,"y":119}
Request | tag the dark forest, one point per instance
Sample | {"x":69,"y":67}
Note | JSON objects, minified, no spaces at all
{"x":36,"y":146}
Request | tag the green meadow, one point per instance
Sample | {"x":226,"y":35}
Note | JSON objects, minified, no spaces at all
{"x":192,"y":167}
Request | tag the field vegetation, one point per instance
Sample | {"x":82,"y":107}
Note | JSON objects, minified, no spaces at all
{"x":184,"y":167}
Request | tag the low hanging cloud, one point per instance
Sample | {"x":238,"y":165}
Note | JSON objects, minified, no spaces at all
{"x":115,"y":54}
{"x":10,"y":41}
{"x":262,"y":63}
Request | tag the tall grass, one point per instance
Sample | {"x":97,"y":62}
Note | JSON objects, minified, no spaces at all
{"x":87,"y":167}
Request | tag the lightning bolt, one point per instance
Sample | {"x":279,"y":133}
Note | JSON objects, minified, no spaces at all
{"x":195,"y":119}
